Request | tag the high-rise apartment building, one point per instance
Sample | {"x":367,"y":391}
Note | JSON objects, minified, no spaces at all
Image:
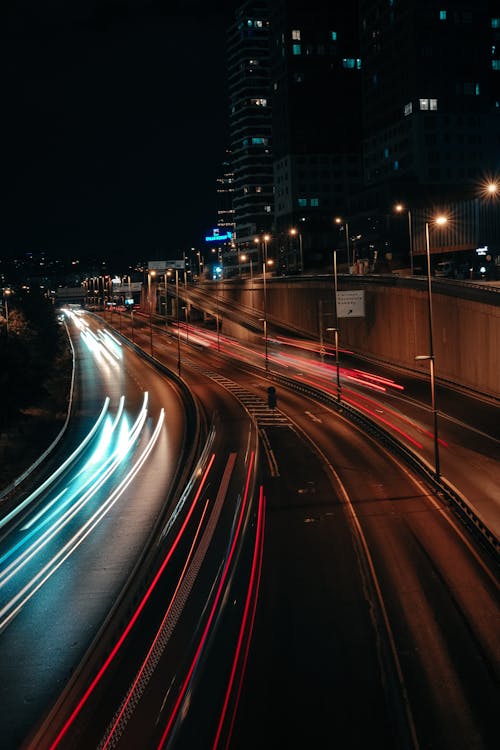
{"x":224,"y":197}
{"x":431,"y":114}
{"x":250,"y":120}
{"x":341,"y":111}
{"x":316,"y":113}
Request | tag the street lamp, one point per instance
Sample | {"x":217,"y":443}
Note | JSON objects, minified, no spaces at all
{"x":345,"y":224}
{"x":440,"y":221}
{"x":244,"y":258}
{"x":264,"y":265}
{"x":399,"y":208}
{"x":6,"y":295}
{"x":177,"y":316}
{"x":295,"y":232}
{"x":178,"y":321}
{"x":150,"y":274}
{"x":336,"y":329}
{"x":266,"y":238}
{"x":186,"y":315}
{"x":200,"y":263}
{"x":490,"y":188}
{"x":218,"y":271}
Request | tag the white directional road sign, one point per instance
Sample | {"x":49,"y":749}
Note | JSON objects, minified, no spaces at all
{"x":163,"y":265}
{"x":351,"y":304}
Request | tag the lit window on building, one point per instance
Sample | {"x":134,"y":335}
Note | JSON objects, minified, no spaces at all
{"x":408,"y":108}
{"x":296,"y":34}
{"x":296,"y":50}
{"x":495,"y":64}
{"x":433,"y":104}
{"x":495,"y":23}
{"x":302,"y":202}
{"x":333,"y":36}
{"x":442,"y":15}
{"x":424,"y":104}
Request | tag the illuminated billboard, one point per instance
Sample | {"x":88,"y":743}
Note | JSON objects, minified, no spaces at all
{"x":218,"y":236}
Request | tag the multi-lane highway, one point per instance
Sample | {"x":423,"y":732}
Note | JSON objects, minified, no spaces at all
{"x":378,"y":617}
{"x":378,"y":614}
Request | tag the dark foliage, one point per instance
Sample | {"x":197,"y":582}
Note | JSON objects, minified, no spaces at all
{"x":29,"y":345}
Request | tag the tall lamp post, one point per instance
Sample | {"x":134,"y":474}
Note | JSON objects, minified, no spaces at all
{"x":336,"y":329}
{"x":218,"y":271}
{"x":399,"y":208}
{"x":6,"y":295}
{"x":295,"y":232}
{"x":177,"y":316}
{"x":345,"y":224}
{"x":178,"y":321}
{"x":200,"y":263}
{"x":440,"y":220}
{"x":266,"y":239}
{"x":150,"y":305}
{"x":244,"y":258}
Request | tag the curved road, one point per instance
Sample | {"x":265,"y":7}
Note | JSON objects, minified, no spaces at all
{"x":76,"y":534}
{"x":378,"y":617}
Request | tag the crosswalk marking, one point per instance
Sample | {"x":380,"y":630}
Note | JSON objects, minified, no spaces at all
{"x":257,"y":407}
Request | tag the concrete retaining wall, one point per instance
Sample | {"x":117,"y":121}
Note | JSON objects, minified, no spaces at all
{"x":395,"y":329}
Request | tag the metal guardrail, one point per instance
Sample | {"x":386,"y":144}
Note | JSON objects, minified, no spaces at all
{"x":453,"y":496}
{"x":485,"y":291}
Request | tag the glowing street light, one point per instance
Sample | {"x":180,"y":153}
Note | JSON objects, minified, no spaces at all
{"x":169,"y":273}
{"x":6,"y":294}
{"x":399,"y":208}
{"x":266,"y":239}
{"x":336,"y":329}
{"x":345,"y":224}
{"x":244,"y":257}
{"x":265,"y":262}
{"x":439,"y":221}
{"x":490,"y":188}
{"x":295,"y":233}
{"x":151,"y":274}
{"x":200,"y":263}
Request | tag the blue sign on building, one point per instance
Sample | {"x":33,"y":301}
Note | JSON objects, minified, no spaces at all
{"x":217,"y":236}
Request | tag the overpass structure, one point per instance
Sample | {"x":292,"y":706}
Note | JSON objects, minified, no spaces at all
{"x":394,"y":326}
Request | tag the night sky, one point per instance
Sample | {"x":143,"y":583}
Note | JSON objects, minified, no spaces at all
{"x":114,"y":115}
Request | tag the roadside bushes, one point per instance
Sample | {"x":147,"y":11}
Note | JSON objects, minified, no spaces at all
{"x":31,"y":342}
